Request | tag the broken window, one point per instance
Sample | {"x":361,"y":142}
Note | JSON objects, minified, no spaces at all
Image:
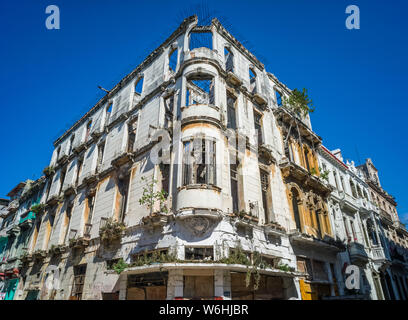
{"x":229,"y":60}
{"x":62,"y":177}
{"x":168,"y":111}
{"x":165,"y":178}
{"x":278,"y":98}
{"x":306,"y":155}
{"x":139,"y":86}
{"x":67,"y":220}
{"x":88,"y":130}
{"x":79,"y":280}
{"x":58,"y":152}
{"x":199,"y":162}
{"x":252,"y":80}
{"x":192,"y":253}
{"x":108,"y":112}
{"x":101,"y":149}
{"x":295,"y":205}
{"x":200,"y":91}
{"x":132,"y":127}
{"x":123,"y":188}
{"x":173,"y":59}
{"x":258,"y":126}
{"x":79,"y":169}
{"x":231,"y":115}
{"x":264,"y":188}
{"x":71,"y":143}
{"x":234,"y":187}
{"x":200,"y":39}
{"x":90,"y":202}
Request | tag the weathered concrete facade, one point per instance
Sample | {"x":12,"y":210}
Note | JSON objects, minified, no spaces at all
{"x":209,"y":176}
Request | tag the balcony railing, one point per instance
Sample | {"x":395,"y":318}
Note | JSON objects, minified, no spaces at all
{"x":377,"y":253}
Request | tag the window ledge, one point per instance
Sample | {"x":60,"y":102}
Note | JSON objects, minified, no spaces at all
{"x":200,"y":186}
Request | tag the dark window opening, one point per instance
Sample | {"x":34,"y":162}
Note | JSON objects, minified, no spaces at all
{"x":132,"y":127}
{"x":258,"y":126}
{"x":88,"y":130}
{"x":306,"y":154}
{"x":231,"y":113}
{"x":62,"y":178}
{"x":229,"y":60}
{"x":264,"y":187}
{"x":71,"y":144}
{"x":79,"y":280}
{"x":199,"y":162}
{"x":234,"y":187}
{"x":79,"y":169}
{"x":101,"y":149}
{"x":165,"y":177}
{"x":123,"y":187}
{"x":192,"y":253}
{"x":295,"y":205}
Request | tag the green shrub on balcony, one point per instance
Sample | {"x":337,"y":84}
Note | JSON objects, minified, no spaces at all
{"x":38,"y":208}
{"x":48,"y":171}
{"x":112,"y":230}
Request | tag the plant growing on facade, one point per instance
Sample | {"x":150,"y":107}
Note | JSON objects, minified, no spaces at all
{"x":324,"y":174}
{"x":150,"y":197}
{"x":48,"y":171}
{"x":112,"y":230}
{"x":38,"y":208}
{"x":120,"y":266}
{"x":285,"y":267}
{"x":299,"y":102}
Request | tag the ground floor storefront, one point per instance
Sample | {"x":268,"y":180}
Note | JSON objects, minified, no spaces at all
{"x":206,"y":283}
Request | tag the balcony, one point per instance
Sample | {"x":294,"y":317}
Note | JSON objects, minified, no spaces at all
{"x":198,"y":196}
{"x":82,"y":241}
{"x":377,"y":254}
{"x":200,"y":113}
{"x":203,"y":54}
{"x":27,"y":220}
{"x":13,"y":231}
{"x":358,"y":254}
{"x":291,"y":170}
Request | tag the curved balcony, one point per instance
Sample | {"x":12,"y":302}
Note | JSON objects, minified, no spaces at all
{"x":204,"y":54}
{"x":201,"y":113}
{"x":200,"y":199}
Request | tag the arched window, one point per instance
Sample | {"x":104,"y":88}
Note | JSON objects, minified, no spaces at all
{"x":295,"y":206}
{"x":139,"y":86}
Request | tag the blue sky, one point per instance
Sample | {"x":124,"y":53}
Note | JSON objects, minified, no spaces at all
{"x":356,"y":78}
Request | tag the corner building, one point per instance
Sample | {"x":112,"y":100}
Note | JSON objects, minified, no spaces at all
{"x":199,"y":125}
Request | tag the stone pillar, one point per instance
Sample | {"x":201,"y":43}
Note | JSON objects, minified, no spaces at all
{"x":222,"y":284}
{"x":122,"y":287}
{"x":175,"y":284}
